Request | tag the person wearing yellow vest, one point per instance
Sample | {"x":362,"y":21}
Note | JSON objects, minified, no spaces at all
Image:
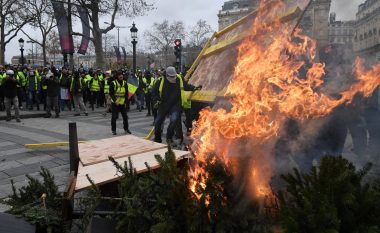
{"x":43,"y":95}
{"x":101,"y":93}
{"x":169,"y":95}
{"x":95,"y":87}
{"x":106,"y":90}
{"x":119,"y":98}
{"x":77,"y":84}
{"x":148,"y":82}
{"x":21,"y":88}
{"x":34,"y":87}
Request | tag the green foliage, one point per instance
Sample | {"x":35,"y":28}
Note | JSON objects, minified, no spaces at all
{"x":27,"y":202}
{"x":330,"y":199}
{"x":155,"y":201}
{"x":161,"y":202}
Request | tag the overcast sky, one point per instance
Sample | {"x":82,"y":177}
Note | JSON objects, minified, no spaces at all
{"x":188,"y":11}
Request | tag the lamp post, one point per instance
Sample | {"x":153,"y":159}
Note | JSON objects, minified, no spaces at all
{"x":134,"y":42}
{"x":21,"y":42}
{"x":32,"y":42}
{"x":118,"y":33}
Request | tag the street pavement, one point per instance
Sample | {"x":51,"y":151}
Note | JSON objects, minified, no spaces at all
{"x":16,"y":161}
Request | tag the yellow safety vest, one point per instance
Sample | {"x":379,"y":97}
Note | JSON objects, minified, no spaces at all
{"x":36,"y":82}
{"x":120,"y":92}
{"x":21,"y":78}
{"x":106,"y":87}
{"x":72,"y":84}
{"x":95,"y":85}
{"x":184,"y":102}
{"x":3,"y":76}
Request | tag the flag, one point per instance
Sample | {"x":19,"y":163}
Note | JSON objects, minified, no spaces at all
{"x":65,"y":38}
{"x":117,"y":52}
{"x":133,"y":84}
{"x":124,"y":54}
{"x":85,"y":29}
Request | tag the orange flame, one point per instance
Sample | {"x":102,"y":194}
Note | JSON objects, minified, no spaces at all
{"x":267,"y":89}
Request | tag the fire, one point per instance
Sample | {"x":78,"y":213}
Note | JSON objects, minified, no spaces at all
{"x":267,"y":89}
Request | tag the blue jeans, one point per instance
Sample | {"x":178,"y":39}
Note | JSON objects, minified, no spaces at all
{"x":174,"y":117}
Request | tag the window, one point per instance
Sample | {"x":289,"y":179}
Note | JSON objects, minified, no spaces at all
{"x":235,"y":6}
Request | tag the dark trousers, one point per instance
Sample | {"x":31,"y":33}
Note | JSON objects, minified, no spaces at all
{"x":94,"y":98}
{"x":20,"y":95}
{"x":372,"y":118}
{"x":52,"y":102}
{"x":115,"y":114}
{"x":33,"y":98}
{"x":43,"y":98}
{"x":2,"y":106}
{"x":174,"y":116}
{"x":189,"y":119}
{"x":148,"y":102}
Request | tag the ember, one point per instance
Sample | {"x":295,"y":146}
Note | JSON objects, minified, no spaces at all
{"x":267,"y":89}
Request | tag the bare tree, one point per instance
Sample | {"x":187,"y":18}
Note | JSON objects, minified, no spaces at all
{"x":53,"y":45}
{"x":43,"y":20}
{"x":161,"y":37}
{"x":98,"y":8}
{"x":14,"y":15}
{"x":199,"y":34}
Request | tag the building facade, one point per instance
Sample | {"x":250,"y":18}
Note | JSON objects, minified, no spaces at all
{"x":367,"y":30}
{"x":234,"y":10}
{"x":341,"y":32}
{"x":315,"y":22}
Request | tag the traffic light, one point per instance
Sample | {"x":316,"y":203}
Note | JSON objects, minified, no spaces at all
{"x":177,"y":52}
{"x":177,"y":48}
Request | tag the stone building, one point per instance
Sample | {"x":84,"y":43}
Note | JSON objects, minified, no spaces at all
{"x":367,"y":30}
{"x":315,"y":22}
{"x":341,"y":32}
{"x":234,"y":10}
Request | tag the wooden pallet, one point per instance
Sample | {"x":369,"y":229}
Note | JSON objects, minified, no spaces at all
{"x":117,"y":147}
{"x":102,"y":171}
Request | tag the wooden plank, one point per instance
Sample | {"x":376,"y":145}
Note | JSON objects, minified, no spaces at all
{"x":48,"y":145}
{"x":105,"y":172}
{"x":289,"y":15}
{"x":99,"y":150}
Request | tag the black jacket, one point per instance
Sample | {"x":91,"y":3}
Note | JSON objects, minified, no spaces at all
{"x":10,"y":87}
{"x":171,"y":94}
{"x":53,"y":86}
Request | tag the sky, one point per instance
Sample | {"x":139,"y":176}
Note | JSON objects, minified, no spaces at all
{"x":188,"y":11}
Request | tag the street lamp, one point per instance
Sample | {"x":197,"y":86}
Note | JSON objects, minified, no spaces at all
{"x":32,"y":42}
{"x":21,"y":42}
{"x":118,"y":33}
{"x":134,"y":31}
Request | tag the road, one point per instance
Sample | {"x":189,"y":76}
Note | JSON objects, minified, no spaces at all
{"x":16,"y":161}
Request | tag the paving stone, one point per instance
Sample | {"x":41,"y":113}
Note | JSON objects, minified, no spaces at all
{"x":26,"y":169}
{"x":18,"y":178}
{"x":3,"y":176}
{"x":6,"y":143}
{"x":17,"y":156}
{"x":4,"y":166}
{"x":35,"y":159}
{"x":13,"y":151}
